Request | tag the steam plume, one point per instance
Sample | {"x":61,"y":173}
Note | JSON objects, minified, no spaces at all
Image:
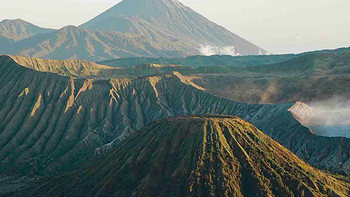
{"x":208,"y":50}
{"x":330,"y":117}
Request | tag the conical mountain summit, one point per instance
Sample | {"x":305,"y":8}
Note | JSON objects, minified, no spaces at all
{"x":172,"y":18}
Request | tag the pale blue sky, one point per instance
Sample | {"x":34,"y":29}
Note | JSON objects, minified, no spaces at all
{"x":279,"y":26}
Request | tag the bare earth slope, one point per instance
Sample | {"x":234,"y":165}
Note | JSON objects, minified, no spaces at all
{"x":50,"y":123}
{"x":197,"y":156}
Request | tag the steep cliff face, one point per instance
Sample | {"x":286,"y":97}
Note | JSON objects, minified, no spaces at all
{"x":197,"y":156}
{"x":50,"y":123}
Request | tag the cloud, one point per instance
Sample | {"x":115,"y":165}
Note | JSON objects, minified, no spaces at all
{"x":208,"y":50}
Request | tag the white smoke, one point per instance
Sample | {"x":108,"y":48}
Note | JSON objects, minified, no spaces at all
{"x":208,"y":50}
{"x":336,"y":103}
{"x":332,"y":117}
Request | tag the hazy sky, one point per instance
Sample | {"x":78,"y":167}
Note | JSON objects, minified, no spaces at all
{"x":279,"y":26}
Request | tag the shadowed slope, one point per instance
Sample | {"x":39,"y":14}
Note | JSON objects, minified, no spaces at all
{"x":197,"y":156}
{"x":50,"y":123}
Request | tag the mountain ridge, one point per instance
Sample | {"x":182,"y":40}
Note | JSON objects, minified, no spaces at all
{"x":81,"y":116}
{"x":72,"y":42}
{"x":72,"y":68}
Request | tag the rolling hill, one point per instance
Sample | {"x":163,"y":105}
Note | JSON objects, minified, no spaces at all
{"x":305,"y":77}
{"x":202,"y":61}
{"x":197,"y":156}
{"x":51,"y":123}
{"x":220,"y":60}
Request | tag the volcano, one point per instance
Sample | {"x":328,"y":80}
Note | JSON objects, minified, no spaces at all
{"x":169,"y":17}
{"x":209,"y":155}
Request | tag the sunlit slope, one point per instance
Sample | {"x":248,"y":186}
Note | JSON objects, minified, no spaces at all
{"x":71,"y":68}
{"x":197,"y":156}
{"x":84,"y":69}
{"x":50,"y":123}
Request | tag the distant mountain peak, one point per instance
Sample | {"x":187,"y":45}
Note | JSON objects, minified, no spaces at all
{"x":132,"y":28}
{"x":18,"y":29}
{"x":173,"y":18}
{"x":14,"y":20}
